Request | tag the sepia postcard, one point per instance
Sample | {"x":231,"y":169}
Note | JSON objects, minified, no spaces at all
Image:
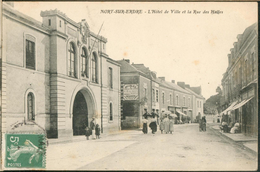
{"x":165,"y":86}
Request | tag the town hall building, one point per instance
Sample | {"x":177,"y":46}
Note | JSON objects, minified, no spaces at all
{"x":56,"y":75}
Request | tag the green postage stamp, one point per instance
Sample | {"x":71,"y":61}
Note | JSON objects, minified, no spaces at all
{"x":25,"y":151}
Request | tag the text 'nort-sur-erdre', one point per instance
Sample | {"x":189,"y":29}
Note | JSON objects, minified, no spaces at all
{"x":156,"y":11}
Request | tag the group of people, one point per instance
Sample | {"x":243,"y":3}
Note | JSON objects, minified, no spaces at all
{"x":152,"y":120}
{"x":93,"y":130}
{"x":166,"y":124}
{"x":227,"y":126}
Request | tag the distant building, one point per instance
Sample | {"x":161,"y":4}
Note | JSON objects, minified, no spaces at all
{"x":182,"y":101}
{"x":240,"y":82}
{"x":198,"y":101}
{"x":56,"y":74}
{"x":141,"y":88}
{"x":136,"y":94}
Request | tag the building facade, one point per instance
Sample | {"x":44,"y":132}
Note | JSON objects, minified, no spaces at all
{"x":136,"y":94}
{"x":166,"y":95}
{"x":57,"y":75}
{"x":141,"y":88}
{"x":197,"y":102}
{"x":240,"y":82}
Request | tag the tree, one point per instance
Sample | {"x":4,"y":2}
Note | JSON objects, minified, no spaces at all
{"x":212,"y":104}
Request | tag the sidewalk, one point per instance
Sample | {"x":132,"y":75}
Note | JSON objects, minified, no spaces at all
{"x":83,"y":138}
{"x":248,"y":142}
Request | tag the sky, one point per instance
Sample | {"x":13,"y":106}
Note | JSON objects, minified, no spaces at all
{"x":185,"y":47}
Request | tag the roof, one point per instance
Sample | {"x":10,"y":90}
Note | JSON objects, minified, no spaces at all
{"x":176,"y":87}
{"x":199,"y":96}
{"x":127,"y":67}
{"x":164,"y":83}
{"x":247,"y":32}
{"x":7,"y":10}
{"x":142,"y":68}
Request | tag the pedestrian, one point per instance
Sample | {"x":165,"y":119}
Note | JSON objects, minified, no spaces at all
{"x":171,"y":124}
{"x":146,"y":114}
{"x":92,"y":127}
{"x":166,"y":124}
{"x":97,"y":131}
{"x":88,"y":132}
{"x":145,"y":120}
{"x":203,"y":125}
{"x":145,"y":126}
{"x":161,"y":125}
{"x":153,"y":124}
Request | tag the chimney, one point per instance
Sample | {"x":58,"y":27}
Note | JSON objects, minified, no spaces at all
{"x":187,"y":86}
{"x":153,"y":73}
{"x":162,"y":78}
{"x":127,"y":60}
{"x":181,"y":84}
{"x":229,"y":60}
{"x":173,"y":81}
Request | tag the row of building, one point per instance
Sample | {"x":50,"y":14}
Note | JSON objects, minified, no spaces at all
{"x":141,"y":88}
{"x":240,"y":82}
{"x":57,"y":76}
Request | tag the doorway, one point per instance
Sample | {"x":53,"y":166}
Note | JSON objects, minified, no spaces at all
{"x":80,"y":115}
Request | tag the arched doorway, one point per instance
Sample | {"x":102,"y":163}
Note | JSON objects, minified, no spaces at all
{"x":80,"y":114}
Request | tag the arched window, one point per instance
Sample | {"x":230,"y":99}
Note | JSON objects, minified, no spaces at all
{"x":177,"y":100}
{"x":184,"y":101}
{"x":94,"y":68}
{"x":170,"y":99}
{"x":84,"y":67}
{"x":71,"y":60}
{"x":30,"y":107}
{"x":110,"y":112}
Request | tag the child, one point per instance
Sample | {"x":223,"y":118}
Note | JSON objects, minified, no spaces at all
{"x":97,"y":131}
{"x":88,"y":132}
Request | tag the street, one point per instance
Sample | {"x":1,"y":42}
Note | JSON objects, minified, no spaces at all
{"x":185,"y":149}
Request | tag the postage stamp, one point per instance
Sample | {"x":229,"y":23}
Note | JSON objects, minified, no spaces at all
{"x":25,"y":151}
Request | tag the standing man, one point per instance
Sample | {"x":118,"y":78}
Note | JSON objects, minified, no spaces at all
{"x":145,"y":116}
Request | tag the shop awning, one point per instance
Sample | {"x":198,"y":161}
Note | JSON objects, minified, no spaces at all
{"x":181,"y":113}
{"x":241,"y":103}
{"x":229,"y":108}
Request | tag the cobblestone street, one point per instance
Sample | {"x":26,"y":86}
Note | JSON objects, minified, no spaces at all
{"x":185,"y":149}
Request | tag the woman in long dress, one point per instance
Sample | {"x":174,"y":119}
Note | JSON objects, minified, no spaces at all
{"x":166,"y":125}
{"x":145,"y":126}
{"x":171,"y":125}
{"x":161,"y":125}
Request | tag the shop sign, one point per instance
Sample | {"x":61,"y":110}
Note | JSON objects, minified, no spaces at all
{"x":130,"y":92}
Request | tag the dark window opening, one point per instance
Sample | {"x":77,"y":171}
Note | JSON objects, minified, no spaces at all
{"x":30,"y":54}
{"x":71,"y":61}
{"x":30,"y":107}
